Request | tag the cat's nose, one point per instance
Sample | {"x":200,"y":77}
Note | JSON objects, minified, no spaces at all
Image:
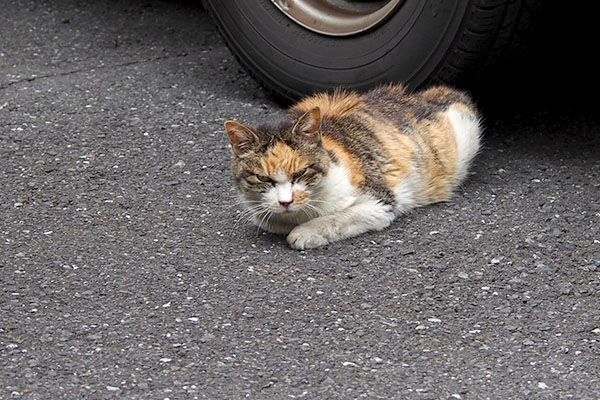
{"x":285,"y":203}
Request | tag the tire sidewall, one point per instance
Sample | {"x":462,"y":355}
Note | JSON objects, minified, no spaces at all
{"x":407,"y":47}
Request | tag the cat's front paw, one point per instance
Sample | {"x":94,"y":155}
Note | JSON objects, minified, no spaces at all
{"x":304,"y":237}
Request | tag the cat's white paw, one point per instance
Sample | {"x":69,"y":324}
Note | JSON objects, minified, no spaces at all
{"x":305,"y":237}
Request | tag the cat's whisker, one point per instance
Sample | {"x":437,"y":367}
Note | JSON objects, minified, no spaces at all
{"x":319,"y":201}
{"x":245,"y":211}
{"x":251,"y":201}
{"x":310,"y":210}
{"x":255,"y":215}
{"x":319,"y":207}
{"x":242,"y":218}
{"x":264,"y":221}
{"x":249,"y":214}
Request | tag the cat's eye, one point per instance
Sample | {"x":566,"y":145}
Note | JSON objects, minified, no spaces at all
{"x":264,"y":179}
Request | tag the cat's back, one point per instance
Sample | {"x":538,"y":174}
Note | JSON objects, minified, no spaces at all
{"x":389,"y":104}
{"x":394,"y":104}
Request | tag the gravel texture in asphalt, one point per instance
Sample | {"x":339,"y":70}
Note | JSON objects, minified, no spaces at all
{"x":126,"y":273}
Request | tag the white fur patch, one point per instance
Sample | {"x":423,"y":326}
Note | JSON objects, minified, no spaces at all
{"x":405,"y":192}
{"x":336,"y":192}
{"x":271,"y":198}
{"x":467,"y":128}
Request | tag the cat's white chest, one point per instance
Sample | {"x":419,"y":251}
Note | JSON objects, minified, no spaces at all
{"x":336,"y":192}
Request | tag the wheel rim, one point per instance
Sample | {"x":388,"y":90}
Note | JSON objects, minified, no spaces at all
{"x":337,"y":17}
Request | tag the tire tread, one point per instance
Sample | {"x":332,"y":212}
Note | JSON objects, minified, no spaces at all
{"x":494,"y":34}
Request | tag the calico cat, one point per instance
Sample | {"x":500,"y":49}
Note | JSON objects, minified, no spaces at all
{"x":347,"y":163}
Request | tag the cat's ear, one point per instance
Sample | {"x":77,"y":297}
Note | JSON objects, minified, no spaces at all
{"x":241,"y":137}
{"x":308,"y":126}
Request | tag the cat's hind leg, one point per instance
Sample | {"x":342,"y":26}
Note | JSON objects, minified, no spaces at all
{"x":366,"y":214}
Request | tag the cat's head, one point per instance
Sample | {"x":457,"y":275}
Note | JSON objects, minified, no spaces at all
{"x":279,"y":167}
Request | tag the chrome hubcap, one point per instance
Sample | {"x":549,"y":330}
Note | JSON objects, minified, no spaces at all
{"x":337,"y":17}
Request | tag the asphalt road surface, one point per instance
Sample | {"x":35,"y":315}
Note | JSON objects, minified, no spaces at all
{"x":125,"y":272}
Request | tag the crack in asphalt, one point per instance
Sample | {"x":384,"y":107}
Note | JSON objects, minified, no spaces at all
{"x":88,"y":69}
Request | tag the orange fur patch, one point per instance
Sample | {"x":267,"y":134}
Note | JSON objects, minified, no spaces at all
{"x":335,"y":105}
{"x":299,"y":196}
{"x":398,"y":147}
{"x":396,"y":89}
{"x":349,"y":160}
{"x":282,"y":157}
{"x":440,"y":165}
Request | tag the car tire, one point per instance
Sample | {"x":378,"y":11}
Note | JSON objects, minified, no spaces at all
{"x":421,"y":42}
